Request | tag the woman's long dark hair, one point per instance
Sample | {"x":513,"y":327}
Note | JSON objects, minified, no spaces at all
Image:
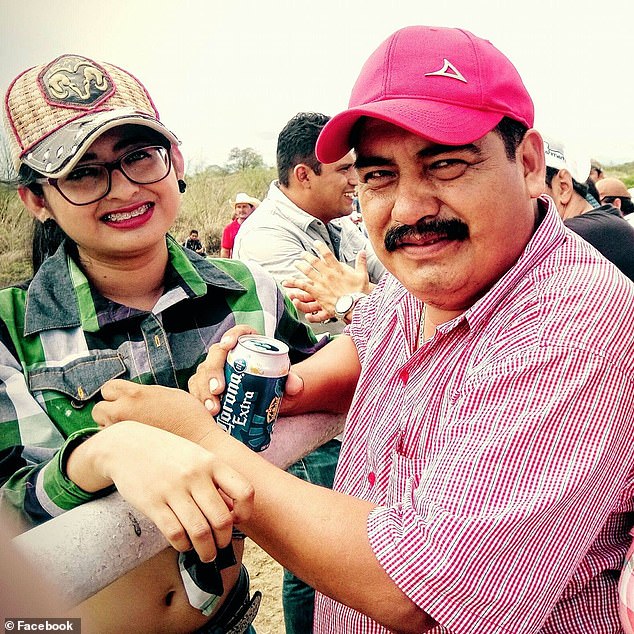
{"x":46,"y":236}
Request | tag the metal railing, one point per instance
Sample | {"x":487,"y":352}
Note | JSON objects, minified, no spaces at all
{"x":82,"y":551}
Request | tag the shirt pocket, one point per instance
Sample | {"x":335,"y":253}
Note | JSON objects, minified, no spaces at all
{"x":405,"y":475}
{"x":80,"y":379}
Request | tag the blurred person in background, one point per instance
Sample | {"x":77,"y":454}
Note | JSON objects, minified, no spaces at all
{"x":306,"y":215}
{"x":614,"y":192}
{"x":243,"y":206}
{"x":603,"y":227}
{"x":193,"y":243}
{"x":596,"y":171}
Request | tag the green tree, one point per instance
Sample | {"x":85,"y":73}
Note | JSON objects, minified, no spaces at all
{"x":241,"y":159}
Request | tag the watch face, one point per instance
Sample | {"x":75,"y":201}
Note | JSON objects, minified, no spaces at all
{"x":344,"y":304}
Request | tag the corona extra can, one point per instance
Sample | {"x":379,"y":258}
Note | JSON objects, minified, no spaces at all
{"x":255,"y":376}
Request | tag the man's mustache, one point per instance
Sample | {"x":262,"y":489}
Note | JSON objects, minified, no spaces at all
{"x":451,"y":229}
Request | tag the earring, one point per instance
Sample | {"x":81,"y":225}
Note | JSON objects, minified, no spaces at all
{"x":182,"y":185}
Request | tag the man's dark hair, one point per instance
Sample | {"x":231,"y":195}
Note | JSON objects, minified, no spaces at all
{"x":580,"y":188}
{"x":592,"y":190}
{"x":511,"y":132}
{"x":296,"y":144}
{"x":627,"y":206}
{"x":193,"y":231}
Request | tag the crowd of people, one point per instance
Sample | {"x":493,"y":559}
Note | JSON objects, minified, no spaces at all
{"x":476,"y":330}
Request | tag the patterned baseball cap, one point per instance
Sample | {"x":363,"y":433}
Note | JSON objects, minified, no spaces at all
{"x":445,"y":85}
{"x":54,"y":112}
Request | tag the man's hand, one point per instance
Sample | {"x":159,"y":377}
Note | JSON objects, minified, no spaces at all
{"x":193,"y":498}
{"x":326,"y":280}
{"x":208,"y":383}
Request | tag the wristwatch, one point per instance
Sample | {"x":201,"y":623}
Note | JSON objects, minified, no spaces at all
{"x":346,"y":303}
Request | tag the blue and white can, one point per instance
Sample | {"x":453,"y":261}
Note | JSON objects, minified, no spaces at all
{"x":255,"y":376}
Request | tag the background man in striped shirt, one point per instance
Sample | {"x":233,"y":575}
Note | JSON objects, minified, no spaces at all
{"x":485,"y":480}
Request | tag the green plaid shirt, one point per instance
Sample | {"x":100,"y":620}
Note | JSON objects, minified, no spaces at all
{"x":60,"y":341}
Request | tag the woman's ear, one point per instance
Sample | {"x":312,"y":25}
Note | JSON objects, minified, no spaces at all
{"x":35,"y":203}
{"x":178,"y":161}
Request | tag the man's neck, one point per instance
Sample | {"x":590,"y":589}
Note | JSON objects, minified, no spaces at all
{"x":577,"y":206}
{"x":435,"y":316}
{"x":302,"y":200}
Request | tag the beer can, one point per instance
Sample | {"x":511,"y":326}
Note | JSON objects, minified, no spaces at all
{"x":255,"y":376}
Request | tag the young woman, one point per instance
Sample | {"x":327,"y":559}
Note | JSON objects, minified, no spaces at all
{"x":119,"y":298}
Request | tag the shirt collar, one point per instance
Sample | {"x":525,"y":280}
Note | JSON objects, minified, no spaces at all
{"x":609,"y":208}
{"x":60,"y":295}
{"x":549,"y":235}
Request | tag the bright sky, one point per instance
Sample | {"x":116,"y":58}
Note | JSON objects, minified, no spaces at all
{"x":227,"y":73}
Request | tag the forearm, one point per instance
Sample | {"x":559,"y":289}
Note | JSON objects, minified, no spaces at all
{"x":320,"y":535}
{"x":83,"y":466}
{"x":296,"y":436}
{"x":330,"y":377}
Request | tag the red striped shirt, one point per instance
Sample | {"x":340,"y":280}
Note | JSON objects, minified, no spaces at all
{"x":499,"y":453}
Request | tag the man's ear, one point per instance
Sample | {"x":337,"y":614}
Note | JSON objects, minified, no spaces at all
{"x":178,"y":161}
{"x":565,"y":186}
{"x":616,"y":203}
{"x":35,"y":203}
{"x":531,"y":154}
{"x":302,"y":174}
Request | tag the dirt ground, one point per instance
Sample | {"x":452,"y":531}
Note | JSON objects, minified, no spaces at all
{"x":266,"y":576}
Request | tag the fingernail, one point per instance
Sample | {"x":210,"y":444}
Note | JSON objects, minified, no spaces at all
{"x":209,"y":404}
{"x":213,"y":385}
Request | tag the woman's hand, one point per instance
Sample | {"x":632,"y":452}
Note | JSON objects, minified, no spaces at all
{"x":167,"y":408}
{"x":193,"y":497}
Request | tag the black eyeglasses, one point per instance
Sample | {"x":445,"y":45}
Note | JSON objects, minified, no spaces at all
{"x":90,"y":182}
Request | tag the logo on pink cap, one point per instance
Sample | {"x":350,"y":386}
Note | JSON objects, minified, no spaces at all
{"x":448,"y":70}
{"x":405,"y":82}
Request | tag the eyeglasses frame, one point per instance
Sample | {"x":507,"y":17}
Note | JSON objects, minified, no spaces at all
{"x":111,"y":166}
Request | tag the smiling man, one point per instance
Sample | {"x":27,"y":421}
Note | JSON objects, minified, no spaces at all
{"x":310,"y":201}
{"x":486,"y":478}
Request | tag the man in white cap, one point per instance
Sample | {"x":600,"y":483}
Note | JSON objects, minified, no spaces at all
{"x":243,"y":206}
{"x":603,"y":227}
{"x":486,"y":477}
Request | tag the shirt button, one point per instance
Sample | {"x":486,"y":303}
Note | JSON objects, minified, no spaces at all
{"x":371,"y":478}
{"x":404,"y":376}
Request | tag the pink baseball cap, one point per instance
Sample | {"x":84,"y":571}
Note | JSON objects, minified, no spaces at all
{"x":445,"y":85}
